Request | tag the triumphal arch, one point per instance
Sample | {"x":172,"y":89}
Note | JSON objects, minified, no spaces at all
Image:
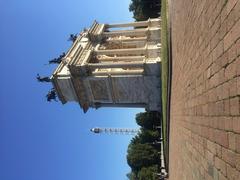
{"x":113,"y":65}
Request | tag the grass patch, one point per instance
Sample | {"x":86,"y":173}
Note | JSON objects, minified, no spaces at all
{"x":164,"y":74}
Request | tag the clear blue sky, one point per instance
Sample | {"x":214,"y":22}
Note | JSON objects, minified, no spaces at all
{"x":49,"y":141}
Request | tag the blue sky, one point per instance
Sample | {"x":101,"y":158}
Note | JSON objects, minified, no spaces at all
{"x":49,"y":141}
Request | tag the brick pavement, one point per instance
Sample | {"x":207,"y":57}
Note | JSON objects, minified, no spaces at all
{"x":205,"y":103}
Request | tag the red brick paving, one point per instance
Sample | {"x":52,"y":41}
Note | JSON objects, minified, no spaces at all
{"x":205,"y":103}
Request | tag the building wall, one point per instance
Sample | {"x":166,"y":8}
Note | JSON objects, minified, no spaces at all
{"x":205,"y":110}
{"x":113,"y":68}
{"x":127,"y":89}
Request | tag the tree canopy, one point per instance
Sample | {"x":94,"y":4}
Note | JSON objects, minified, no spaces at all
{"x":144,"y":9}
{"x":148,"y":120}
{"x":148,"y":173}
{"x":142,"y":154}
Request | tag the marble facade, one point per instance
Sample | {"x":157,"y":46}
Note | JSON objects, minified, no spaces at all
{"x":113,"y":65}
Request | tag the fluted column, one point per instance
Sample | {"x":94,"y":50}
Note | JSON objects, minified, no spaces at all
{"x":133,"y":64}
{"x":133,"y":105}
{"x":134,"y":32}
{"x":127,"y":39}
{"x":122,"y":58}
{"x":136,"y":51}
{"x":133,"y":24}
{"x":121,"y":72}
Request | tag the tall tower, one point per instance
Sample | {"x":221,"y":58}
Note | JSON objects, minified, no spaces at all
{"x":112,"y":65}
{"x":98,"y":130}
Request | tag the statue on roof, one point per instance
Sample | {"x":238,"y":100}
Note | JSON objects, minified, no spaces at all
{"x":57,"y":60}
{"x":72,"y":37}
{"x":43,"y":79}
{"x":51,"y":95}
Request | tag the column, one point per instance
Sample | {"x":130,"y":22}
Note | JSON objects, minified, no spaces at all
{"x":133,"y":24}
{"x":121,"y":51}
{"x":122,"y":58}
{"x":116,"y":65}
{"x":122,"y":72}
{"x":134,"y":32}
{"x":127,"y":39}
{"x":130,"y":105}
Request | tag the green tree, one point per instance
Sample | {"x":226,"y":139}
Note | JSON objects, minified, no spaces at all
{"x":141,"y":155}
{"x":148,"y":120}
{"x":148,"y":136}
{"x":132,"y":176}
{"x":137,"y":9}
{"x":148,"y":173}
{"x":144,"y":9}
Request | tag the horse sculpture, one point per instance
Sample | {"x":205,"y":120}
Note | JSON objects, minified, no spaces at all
{"x":73,"y":37}
{"x":43,"y":79}
{"x":51,"y":95}
{"x":57,"y":60}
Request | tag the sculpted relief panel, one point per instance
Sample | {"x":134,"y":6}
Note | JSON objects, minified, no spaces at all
{"x":129,"y":90}
{"x":99,"y":89}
